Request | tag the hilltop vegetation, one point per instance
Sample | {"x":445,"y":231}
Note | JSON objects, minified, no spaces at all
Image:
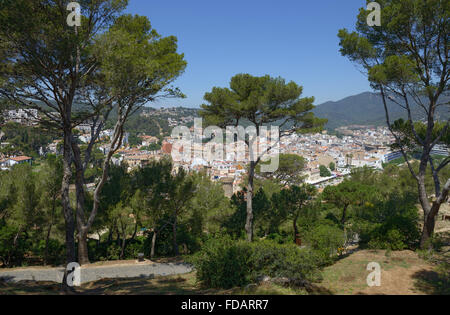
{"x":367,"y":109}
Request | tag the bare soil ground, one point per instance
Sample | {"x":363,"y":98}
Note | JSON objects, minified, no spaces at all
{"x":443,"y":226}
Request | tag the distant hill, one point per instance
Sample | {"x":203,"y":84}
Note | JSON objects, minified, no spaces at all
{"x":367,"y":109}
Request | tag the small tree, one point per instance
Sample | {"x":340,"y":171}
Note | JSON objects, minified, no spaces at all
{"x":50,"y":191}
{"x":168,"y":197}
{"x":260,"y":101}
{"x":293,"y":202}
{"x":209,"y":207}
{"x":324,"y":171}
{"x":289,"y":172}
{"x":332,"y":166}
{"x":345,"y":194}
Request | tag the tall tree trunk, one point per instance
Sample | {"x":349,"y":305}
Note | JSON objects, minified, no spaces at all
{"x":118,"y":237}
{"x":83,"y":253}
{"x":110,"y":235}
{"x":431,"y":212}
{"x":295,"y":227}
{"x":427,"y":231}
{"x":152,"y":252}
{"x":428,"y":225}
{"x":344,"y":215}
{"x":249,"y":221}
{"x":65,"y":196}
{"x":68,"y":213}
{"x":83,"y":224}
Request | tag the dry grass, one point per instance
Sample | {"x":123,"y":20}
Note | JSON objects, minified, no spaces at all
{"x":403,"y":273}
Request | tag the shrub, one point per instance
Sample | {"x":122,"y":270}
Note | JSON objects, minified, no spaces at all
{"x":13,"y":247}
{"x":224,"y":263}
{"x":390,"y":224}
{"x":282,"y":238}
{"x":392,"y":240}
{"x":55,"y":251}
{"x":113,"y":252}
{"x":97,"y":251}
{"x":135,"y":247}
{"x":282,"y":261}
{"x":326,"y":240}
{"x":397,"y":233}
{"x":164,"y":242}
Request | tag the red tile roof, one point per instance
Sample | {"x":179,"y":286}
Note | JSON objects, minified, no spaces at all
{"x":167,"y":148}
{"x":21,"y":158}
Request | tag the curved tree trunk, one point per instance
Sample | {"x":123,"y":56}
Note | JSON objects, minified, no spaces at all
{"x":431,"y":212}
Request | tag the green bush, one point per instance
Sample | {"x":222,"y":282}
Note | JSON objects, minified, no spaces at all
{"x":13,"y":246}
{"x":96,"y":251}
{"x":325,"y":240}
{"x":283,"y":238}
{"x":397,"y":233}
{"x":222,"y":263}
{"x":164,"y":242}
{"x":113,"y":252}
{"x":55,"y":251}
{"x":282,"y":261}
{"x":390,"y":224}
{"x":392,"y":240}
{"x":225,"y":263}
{"x":134,"y":248}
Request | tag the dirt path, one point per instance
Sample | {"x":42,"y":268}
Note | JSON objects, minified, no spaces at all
{"x":98,"y":272}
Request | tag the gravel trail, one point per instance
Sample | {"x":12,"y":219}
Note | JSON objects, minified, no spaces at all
{"x":89,"y":274}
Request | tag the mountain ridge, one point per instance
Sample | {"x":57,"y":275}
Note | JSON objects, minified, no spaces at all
{"x":367,"y":109}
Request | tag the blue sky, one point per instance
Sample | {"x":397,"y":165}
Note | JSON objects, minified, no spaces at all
{"x":294,"y":39}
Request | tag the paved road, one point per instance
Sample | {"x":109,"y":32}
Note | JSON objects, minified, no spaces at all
{"x":96,"y":273}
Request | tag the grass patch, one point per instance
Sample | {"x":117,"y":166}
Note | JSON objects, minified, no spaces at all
{"x":402,"y":273}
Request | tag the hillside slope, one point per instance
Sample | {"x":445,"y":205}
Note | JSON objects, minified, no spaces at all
{"x":367,"y":109}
